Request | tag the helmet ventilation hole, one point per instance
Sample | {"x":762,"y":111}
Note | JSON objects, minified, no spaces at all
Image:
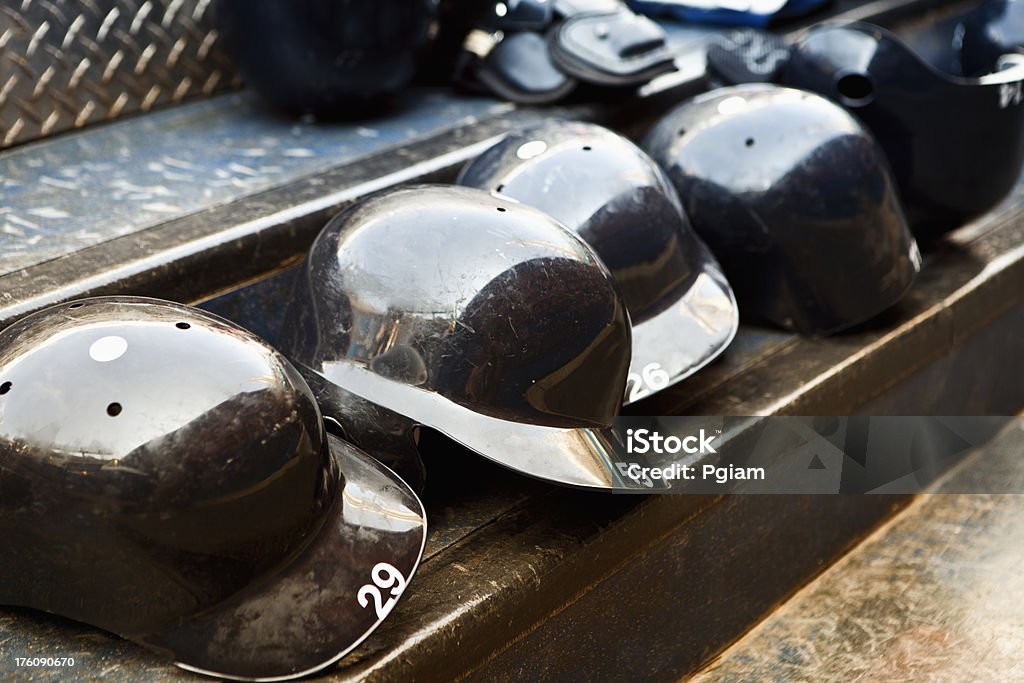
{"x":501,"y":209}
{"x":749,"y":142}
{"x":5,"y":387}
{"x":586,"y":148}
{"x":499,"y":188}
{"x":76,"y":305}
{"x":681,"y":132}
{"x":855,"y":89}
{"x":114,"y":409}
{"x":183,"y":326}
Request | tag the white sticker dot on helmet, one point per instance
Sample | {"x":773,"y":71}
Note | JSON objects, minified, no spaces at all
{"x":107,"y":349}
{"x":732,"y":105}
{"x":531,"y":149}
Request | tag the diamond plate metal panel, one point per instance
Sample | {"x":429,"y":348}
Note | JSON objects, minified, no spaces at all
{"x":68,"y":63}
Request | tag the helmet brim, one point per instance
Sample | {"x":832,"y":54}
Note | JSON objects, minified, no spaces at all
{"x":309,"y":614}
{"x":587,"y":457}
{"x":684,"y":336}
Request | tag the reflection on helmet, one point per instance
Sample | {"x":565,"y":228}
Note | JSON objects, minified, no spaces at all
{"x":163,"y":472}
{"x":619,"y":201}
{"x":439,"y":302}
{"x":796,"y":201}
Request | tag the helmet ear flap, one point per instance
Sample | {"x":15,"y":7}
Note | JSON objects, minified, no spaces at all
{"x":934,"y":117}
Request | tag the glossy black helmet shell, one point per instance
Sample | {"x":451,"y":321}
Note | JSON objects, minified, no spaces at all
{"x":165,"y":475}
{"x":795,"y":199}
{"x":608,"y":191}
{"x":955,"y":144}
{"x":474,"y":315}
{"x":327,"y":57}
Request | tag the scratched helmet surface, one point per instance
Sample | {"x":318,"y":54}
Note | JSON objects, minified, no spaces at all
{"x":795,"y":199}
{"x":474,"y":315}
{"x":166,"y":476}
{"x":608,"y":191}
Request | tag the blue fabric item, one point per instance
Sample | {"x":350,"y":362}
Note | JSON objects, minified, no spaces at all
{"x":682,"y":10}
